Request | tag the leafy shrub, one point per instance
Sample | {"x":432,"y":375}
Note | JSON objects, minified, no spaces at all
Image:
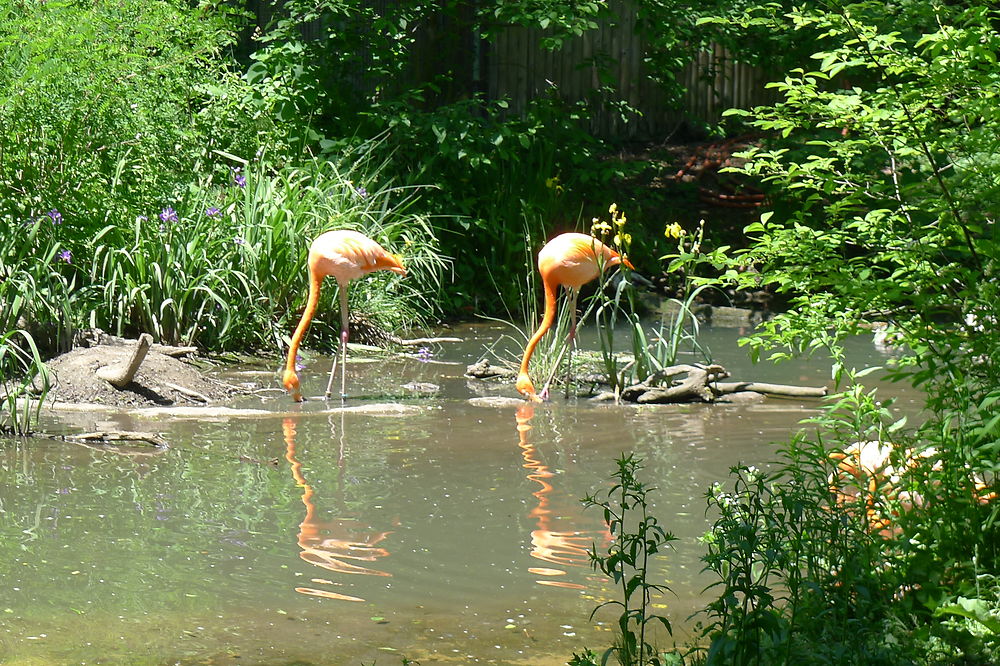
{"x":881,"y":183}
{"x":106,"y":106}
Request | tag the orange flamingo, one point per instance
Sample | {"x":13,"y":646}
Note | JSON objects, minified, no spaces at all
{"x":571,"y":260}
{"x":866,"y":473}
{"x":345,"y":255}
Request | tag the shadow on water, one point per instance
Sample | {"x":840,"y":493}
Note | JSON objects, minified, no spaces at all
{"x":447,"y":532}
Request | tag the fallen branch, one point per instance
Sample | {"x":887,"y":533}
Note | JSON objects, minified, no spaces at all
{"x":187,"y":393}
{"x":108,"y":437}
{"x":694,"y":387}
{"x":175,"y":352}
{"x":120,"y":375}
{"x":702,"y":384}
{"x":771,"y":389}
{"x":93,"y":337}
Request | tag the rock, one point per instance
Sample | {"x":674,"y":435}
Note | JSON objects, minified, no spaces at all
{"x":497,"y":401}
{"x":484,"y":370}
{"x":422,"y":387}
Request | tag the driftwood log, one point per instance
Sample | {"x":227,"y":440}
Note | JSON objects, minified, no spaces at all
{"x":784,"y":390}
{"x":695,"y":387}
{"x":701,"y":383}
{"x":674,"y":384}
{"x":120,"y":375}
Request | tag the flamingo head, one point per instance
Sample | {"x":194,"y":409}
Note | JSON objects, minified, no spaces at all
{"x":612,"y":258}
{"x":526,"y":388}
{"x":394,"y":263}
{"x":291,"y":382}
{"x":615,"y":259}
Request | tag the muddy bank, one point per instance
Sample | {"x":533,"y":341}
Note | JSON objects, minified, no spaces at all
{"x":160,"y":381}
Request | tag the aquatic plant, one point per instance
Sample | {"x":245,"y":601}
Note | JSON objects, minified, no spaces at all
{"x":651,"y":349}
{"x":24,"y":382}
{"x":636,"y":538}
{"x":37,"y":279}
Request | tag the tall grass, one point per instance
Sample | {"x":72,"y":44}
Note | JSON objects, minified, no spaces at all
{"x":37,"y":282}
{"x":224,"y":267}
{"x":37,"y":279}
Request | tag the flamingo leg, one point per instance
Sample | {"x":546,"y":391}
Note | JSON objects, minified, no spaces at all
{"x":333,"y":372}
{"x":343,"y":342}
{"x":571,"y":338}
{"x":342,"y":352}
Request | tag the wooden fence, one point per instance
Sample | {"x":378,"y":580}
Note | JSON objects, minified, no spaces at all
{"x":520,"y":70}
{"x":512,"y":65}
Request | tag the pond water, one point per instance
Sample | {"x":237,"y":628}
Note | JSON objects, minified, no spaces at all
{"x":449,"y":533}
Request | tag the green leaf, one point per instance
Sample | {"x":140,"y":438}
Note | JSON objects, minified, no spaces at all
{"x":973,"y":609}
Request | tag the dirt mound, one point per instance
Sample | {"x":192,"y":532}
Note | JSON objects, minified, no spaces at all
{"x":161,"y":380}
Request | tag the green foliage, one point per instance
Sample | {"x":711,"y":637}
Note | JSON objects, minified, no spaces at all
{"x":562,"y":20}
{"x":882,"y":190}
{"x":126,"y":201}
{"x":106,"y":106}
{"x":496,"y":176}
{"x":637,"y":536}
{"x":800,"y":581}
{"x":366,"y":83}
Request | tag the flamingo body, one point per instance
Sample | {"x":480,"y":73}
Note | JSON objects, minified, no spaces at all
{"x":875,"y":476}
{"x":345,"y":255}
{"x":571,"y":260}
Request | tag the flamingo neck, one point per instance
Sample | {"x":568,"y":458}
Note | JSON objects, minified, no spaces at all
{"x":524,"y":384}
{"x":291,"y":378}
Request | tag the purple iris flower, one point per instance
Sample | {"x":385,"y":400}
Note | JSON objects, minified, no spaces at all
{"x":168,"y":214}
{"x":55,"y":215}
{"x":66,"y":256}
{"x":213,"y":212}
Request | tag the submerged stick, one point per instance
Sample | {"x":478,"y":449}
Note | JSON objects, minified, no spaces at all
{"x":187,"y":393}
{"x":425,"y":341}
{"x":111,"y":437}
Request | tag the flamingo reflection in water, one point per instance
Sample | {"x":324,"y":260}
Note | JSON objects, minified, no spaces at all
{"x":564,"y":548}
{"x":328,"y":544}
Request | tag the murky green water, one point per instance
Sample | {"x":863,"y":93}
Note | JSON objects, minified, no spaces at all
{"x":451,"y":534}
